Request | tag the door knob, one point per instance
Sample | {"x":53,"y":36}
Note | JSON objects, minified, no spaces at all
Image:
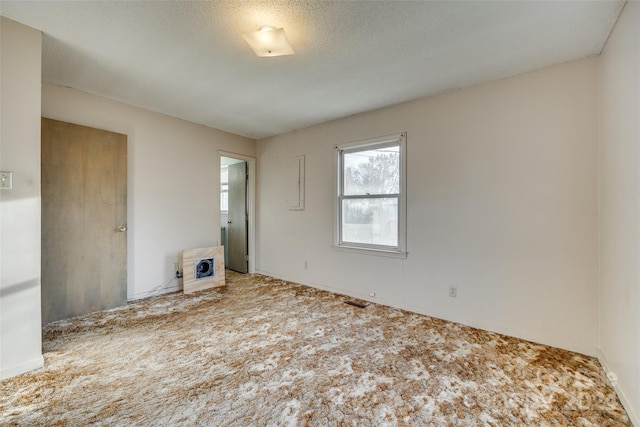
{"x":228,"y":222}
{"x":121,"y":229}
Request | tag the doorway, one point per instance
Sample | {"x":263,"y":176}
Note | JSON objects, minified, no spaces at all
{"x":237,"y":211}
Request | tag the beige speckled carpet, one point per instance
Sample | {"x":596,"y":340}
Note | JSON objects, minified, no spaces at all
{"x":264,"y":352}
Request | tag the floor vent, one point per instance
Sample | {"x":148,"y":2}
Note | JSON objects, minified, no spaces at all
{"x":355,"y":304}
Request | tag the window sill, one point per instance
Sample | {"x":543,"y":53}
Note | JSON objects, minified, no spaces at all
{"x":368,"y":251}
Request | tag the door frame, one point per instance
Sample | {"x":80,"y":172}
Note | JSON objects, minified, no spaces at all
{"x":251,"y":199}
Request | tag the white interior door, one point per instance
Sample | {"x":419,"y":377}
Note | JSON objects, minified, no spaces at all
{"x":237,"y":218}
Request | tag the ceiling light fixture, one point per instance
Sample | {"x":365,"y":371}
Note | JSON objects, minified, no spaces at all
{"x":269,"y":41}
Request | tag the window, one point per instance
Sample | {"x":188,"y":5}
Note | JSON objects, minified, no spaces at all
{"x":224,"y":188}
{"x":371,"y":200}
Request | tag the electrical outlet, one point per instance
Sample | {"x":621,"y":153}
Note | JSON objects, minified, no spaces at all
{"x":372,"y":294}
{"x":453,"y":291}
{"x":6,"y":179}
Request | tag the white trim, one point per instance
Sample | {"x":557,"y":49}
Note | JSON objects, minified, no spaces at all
{"x":296,"y":183}
{"x":427,"y":311}
{"x":488,"y":327}
{"x":31,"y":365}
{"x":372,"y":141}
{"x":252,"y":202}
{"x":633,"y":416}
{"x":370,"y":251}
{"x":155,"y":292}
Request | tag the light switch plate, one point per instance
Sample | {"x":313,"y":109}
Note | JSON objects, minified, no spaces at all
{"x":6,"y":179}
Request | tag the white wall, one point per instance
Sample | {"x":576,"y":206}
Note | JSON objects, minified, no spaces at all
{"x":20,"y":339}
{"x":620,"y":207}
{"x":173,"y":180}
{"x":502,"y":203}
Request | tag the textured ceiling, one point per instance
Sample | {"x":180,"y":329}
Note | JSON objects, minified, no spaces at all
{"x":189,"y":60}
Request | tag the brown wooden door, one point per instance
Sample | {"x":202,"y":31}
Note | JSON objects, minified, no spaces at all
{"x":84,"y":214}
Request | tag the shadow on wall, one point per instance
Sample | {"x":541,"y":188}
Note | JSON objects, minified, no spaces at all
{"x":19,"y":287}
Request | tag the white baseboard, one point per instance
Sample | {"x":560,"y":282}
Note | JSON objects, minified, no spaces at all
{"x":31,"y":365}
{"x":631,"y":411}
{"x":434,"y":312}
{"x":147,"y":294}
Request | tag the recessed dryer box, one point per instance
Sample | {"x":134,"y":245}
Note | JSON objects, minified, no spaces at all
{"x":202,"y":268}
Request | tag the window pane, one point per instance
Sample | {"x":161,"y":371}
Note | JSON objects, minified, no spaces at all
{"x":224,"y":174}
{"x":224,"y":198}
{"x":370,"y":221}
{"x":375,"y":171}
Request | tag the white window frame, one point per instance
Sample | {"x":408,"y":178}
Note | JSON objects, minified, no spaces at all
{"x":399,"y":251}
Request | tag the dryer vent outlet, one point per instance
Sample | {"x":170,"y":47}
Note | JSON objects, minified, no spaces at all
{"x":205,"y":268}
